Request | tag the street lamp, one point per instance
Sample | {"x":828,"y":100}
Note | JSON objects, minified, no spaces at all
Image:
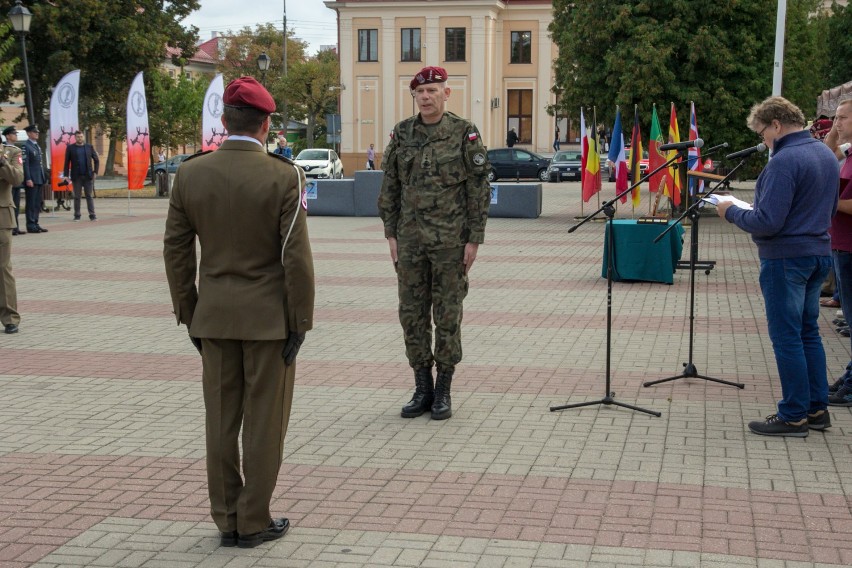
{"x":21,"y":17}
{"x":263,"y":62}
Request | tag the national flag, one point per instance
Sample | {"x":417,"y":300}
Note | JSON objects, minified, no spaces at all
{"x":635,"y":157}
{"x":694,"y":153}
{"x":617,"y":157}
{"x":660,"y":181}
{"x":591,"y":166}
{"x":674,"y":137}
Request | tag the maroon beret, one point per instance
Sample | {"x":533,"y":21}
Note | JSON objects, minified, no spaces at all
{"x":428,"y":75}
{"x":247,"y":92}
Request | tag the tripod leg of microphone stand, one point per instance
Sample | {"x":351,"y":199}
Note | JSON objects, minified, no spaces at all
{"x":608,"y":400}
{"x":729,"y":383}
{"x":694,"y":376}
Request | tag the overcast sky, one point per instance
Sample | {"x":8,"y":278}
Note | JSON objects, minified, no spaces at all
{"x":309,"y":19}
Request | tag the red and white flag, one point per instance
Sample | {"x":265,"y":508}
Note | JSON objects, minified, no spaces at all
{"x":64,"y":122}
{"x":213,"y":133}
{"x":138,"y":137}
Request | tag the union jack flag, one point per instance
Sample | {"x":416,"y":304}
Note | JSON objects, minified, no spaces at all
{"x":694,"y":158}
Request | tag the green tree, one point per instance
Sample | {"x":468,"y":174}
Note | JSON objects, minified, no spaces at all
{"x":311,"y":89}
{"x":838,"y":46}
{"x":109,"y":41}
{"x":642,"y":52}
{"x":806,"y":55}
{"x":7,"y":50}
{"x":174,"y":108}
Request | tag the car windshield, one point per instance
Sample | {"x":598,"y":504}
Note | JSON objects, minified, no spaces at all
{"x":567,"y":156}
{"x":313,"y":155}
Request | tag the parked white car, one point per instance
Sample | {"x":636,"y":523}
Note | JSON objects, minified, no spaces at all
{"x":320,"y":163}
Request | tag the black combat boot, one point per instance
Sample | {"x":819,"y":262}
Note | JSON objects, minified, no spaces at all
{"x":442,"y":407}
{"x":424,"y":394}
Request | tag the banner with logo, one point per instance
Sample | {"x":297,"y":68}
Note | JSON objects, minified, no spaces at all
{"x":63,"y":123}
{"x":138,"y":138}
{"x":212,"y":131}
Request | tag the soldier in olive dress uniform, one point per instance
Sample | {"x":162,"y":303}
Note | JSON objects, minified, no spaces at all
{"x":251,"y":309}
{"x":11,"y":174}
{"x":434,"y":205}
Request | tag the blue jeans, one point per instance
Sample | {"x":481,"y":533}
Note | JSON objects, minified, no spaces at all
{"x":843,"y":284}
{"x":791,"y":293}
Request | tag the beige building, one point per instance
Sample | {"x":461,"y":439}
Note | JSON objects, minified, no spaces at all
{"x":498,"y":55}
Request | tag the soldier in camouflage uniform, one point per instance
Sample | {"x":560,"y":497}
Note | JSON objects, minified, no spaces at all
{"x":434,"y":205}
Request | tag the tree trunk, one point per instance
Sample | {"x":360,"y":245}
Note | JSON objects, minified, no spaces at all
{"x":109,"y":168}
{"x":310,"y":133}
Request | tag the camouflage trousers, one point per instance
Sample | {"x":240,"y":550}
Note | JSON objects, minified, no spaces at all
{"x":431,"y":282}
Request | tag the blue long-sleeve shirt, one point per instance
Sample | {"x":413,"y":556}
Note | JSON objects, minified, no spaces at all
{"x":794,"y":200}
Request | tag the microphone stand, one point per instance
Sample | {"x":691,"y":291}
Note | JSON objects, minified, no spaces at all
{"x":689,"y":369}
{"x":608,"y":209}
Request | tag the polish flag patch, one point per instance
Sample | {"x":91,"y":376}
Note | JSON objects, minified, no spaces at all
{"x":472,"y":136}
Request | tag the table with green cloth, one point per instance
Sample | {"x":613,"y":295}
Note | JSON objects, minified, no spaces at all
{"x":638,"y":257}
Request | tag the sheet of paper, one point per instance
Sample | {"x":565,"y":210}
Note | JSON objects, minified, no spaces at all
{"x":714,"y":199}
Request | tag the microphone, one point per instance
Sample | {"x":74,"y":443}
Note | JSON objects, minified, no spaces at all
{"x":697,"y":143}
{"x":747,"y":152}
{"x":716,"y":147}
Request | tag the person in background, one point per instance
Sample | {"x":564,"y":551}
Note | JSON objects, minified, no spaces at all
{"x":512,"y":137}
{"x":556,"y":143}
{"x":11,"y":175}
{"x":371,"y":157}
{"x":794,"y":201}
{"x":283,"y":148}
{"x":81,"y":166}
{"x":11,"y":134}
{"x":840,"y":392}
{"x":34,"y":178}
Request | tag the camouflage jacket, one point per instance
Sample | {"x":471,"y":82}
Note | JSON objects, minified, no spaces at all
{"x":435,"y":192}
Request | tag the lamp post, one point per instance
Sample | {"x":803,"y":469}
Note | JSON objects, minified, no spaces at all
{"x":21,"y":17}
{"x":263,"y":61}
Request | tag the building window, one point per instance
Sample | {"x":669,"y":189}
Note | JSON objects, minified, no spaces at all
{"x":410,"y":44}
{"x":368,"y":45}
{"x":455,"y":44}
{"x":519,"y":110}
{"x":521,"y":47}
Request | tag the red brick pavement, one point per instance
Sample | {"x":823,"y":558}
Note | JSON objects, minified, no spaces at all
{"x":48,"y":499}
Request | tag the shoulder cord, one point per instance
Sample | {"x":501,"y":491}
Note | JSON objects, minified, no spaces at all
{"x":299,"y":173}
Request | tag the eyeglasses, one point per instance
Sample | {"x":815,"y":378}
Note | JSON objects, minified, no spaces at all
{"x":764,"y":130}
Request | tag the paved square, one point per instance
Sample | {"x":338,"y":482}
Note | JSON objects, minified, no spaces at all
{"x":102,"y":423}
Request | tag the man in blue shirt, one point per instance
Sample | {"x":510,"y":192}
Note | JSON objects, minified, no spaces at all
{"x":794,"y":201}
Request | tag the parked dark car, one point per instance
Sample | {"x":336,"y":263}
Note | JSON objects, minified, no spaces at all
{"x":170,"y":166}
{"x":565,"y":165}
{"x":516,"y":163}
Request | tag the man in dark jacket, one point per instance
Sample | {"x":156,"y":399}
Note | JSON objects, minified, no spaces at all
{"x":82,"y":162}
{"x":512,"y":138}
{"x":34,"y":178}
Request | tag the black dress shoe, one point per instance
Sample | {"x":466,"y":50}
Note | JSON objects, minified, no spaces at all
{"x":42,"y":230}
{"x":276,"y":529}
{"x":11,"y":328}
{"x":228,"y":538}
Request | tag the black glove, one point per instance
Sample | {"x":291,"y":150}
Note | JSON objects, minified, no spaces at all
{"x":291,"y":347}
{"x":196,"y":342}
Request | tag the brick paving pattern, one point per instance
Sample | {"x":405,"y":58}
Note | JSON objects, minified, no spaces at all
{"x":102,"y":424}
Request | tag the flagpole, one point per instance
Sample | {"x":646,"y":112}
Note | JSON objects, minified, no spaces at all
{"x":597,"y":149}
{"x":583,"y":172}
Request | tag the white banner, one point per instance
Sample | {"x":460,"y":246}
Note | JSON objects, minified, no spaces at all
{"x":138,"y":138}
{"x":212,"y":131}
{"x":64,"y":122}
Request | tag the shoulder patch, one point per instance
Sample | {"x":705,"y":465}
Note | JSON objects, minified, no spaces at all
{"x":280,"y":157}
{"x":479,"y":158}
{"x":472,"y":136}
{"x":196,"y":155}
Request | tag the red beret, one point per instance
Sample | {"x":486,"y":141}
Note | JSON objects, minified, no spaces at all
{"x":247,"y":92}
{"x":428,"y":75}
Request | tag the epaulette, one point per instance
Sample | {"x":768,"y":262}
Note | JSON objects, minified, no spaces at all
{"x":280,"y":157}
{"x":196,"y":155}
